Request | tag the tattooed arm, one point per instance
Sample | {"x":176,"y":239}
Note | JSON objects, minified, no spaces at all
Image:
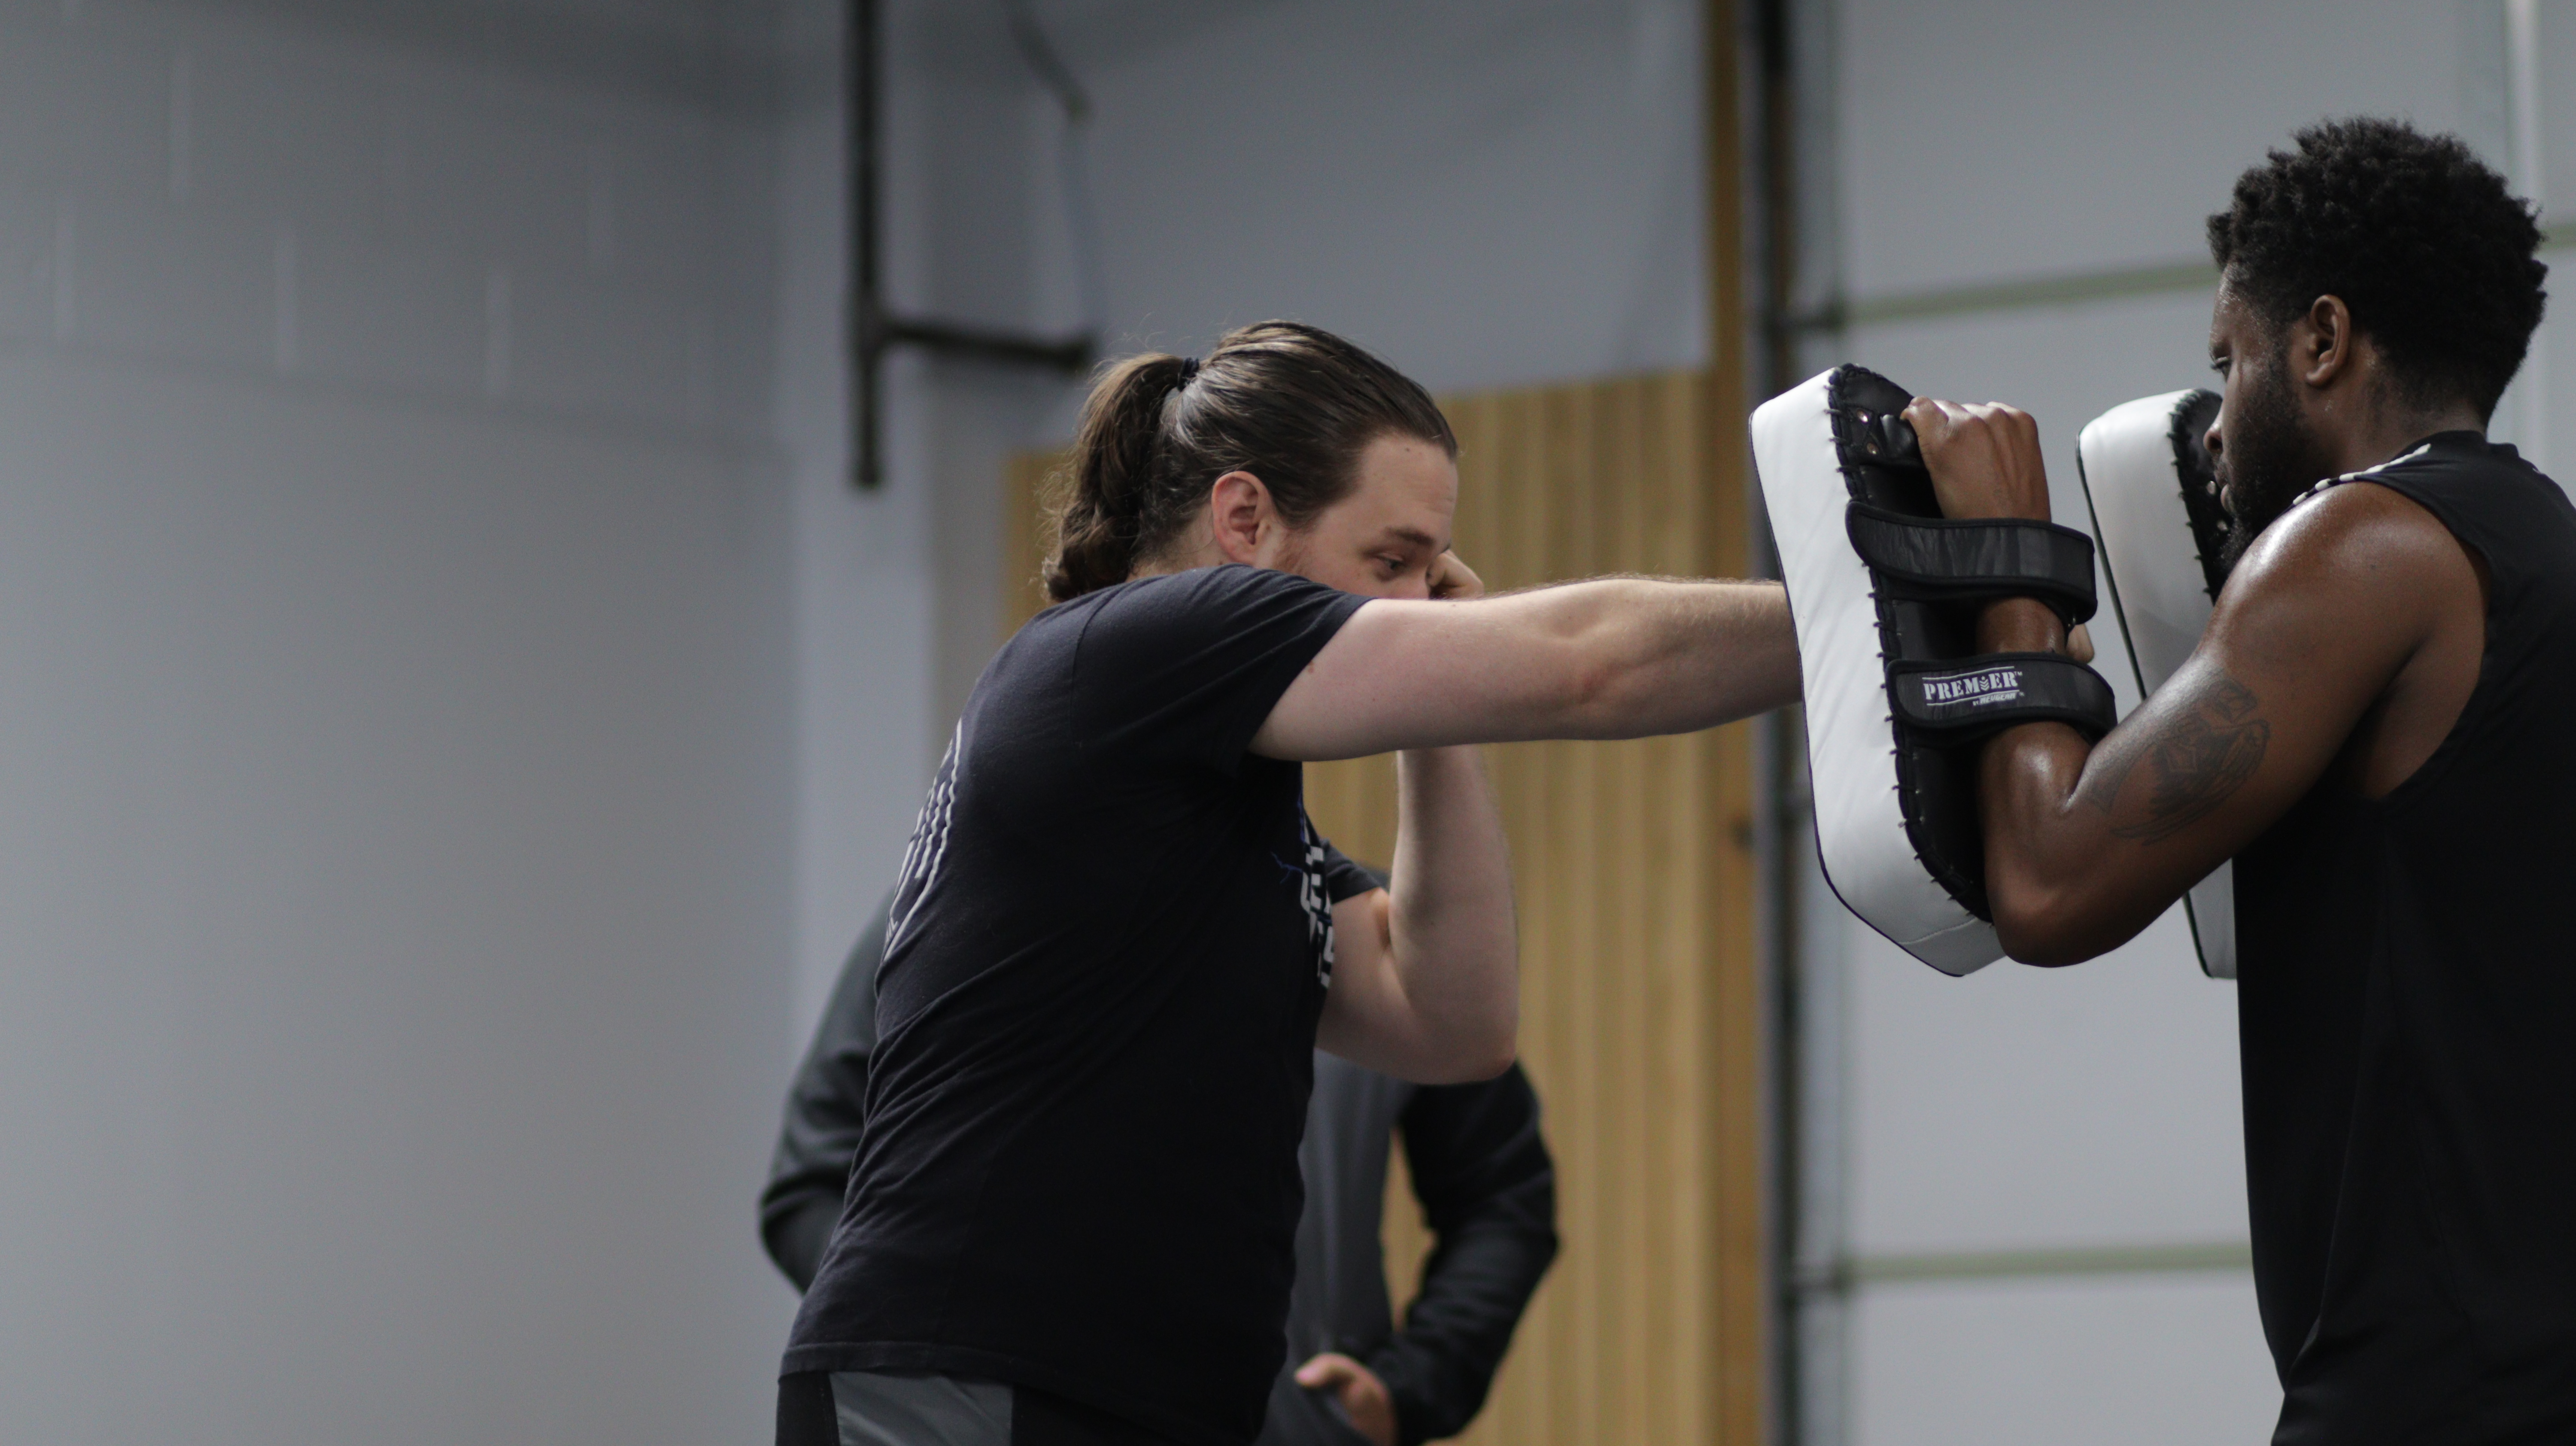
{"x":2335,"y":644}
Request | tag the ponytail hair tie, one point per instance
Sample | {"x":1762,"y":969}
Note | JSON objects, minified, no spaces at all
{"x":1189,"y":371}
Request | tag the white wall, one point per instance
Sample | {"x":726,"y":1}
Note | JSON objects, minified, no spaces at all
{"x":1492,"y":194}
{"x":862,"y":590}
{"x":394,"y":657}
{"x":1997,"y":142}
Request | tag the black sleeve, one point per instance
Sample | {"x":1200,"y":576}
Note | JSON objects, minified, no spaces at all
{"x":1186,"y":668}
{"x":1488,"y":1189}
{"x":1344,"y":880}
{"x":811,"y":1166}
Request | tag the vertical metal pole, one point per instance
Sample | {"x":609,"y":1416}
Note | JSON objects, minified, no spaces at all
{"x":2530,"y":175}
{"x":865,"y":307}
{"x":1775,"y":207}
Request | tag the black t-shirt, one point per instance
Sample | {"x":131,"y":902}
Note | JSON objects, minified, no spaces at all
{"x":2408,"y":1014}
{"x":1096,"y":1021}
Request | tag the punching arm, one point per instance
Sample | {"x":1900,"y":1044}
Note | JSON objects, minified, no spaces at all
{"x":2086,"y":845}
{"x":1608,"y":658}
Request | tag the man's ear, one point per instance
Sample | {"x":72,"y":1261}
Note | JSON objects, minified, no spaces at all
{"x":2323,"y":342}
{"x":1240,"y":516}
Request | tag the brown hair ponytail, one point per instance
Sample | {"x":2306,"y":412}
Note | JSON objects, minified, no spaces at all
{"x":1293,"y":405}
{"x":1113,"y":461}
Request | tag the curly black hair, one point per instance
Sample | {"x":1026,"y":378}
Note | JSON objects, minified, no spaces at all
{"x":2421,"y":239}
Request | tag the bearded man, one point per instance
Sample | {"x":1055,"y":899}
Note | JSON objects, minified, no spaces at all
{"x":2377,"y":727}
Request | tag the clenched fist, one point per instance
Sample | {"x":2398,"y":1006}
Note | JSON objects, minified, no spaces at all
{"x":1984,"y":458}
{"x":1985,"y":462}
{"x":1451,"y":578}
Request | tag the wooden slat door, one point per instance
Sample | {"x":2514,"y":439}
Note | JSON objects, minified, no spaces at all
{"x":1634,"y":870}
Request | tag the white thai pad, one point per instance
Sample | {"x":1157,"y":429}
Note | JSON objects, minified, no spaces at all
{"x":2147,"y":479}
{"x":1884,"y":595}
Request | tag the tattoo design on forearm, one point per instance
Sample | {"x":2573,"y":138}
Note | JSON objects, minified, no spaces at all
{"x":2194,"y":761}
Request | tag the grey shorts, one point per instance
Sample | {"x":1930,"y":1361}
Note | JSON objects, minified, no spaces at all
{"x":868,"y":1408}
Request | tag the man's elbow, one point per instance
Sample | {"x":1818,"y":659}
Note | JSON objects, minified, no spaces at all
{"x":2050,"y":928}
{"x":2041,"y":950}
{"x":1476,"y":1058}
{"x":1464,"y":1069}
{"x":1493,"y":1061}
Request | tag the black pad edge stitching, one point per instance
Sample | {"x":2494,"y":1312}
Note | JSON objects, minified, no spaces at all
{"x":2198,"y":474}
{"x":1882,"y":466}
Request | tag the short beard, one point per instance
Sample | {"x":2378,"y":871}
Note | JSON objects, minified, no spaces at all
{"x":2272,"y":459}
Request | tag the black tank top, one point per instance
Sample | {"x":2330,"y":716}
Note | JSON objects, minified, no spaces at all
{"x":2408,"y":1022}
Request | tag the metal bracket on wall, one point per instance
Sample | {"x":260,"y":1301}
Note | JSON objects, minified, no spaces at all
{"x":873,"y":331}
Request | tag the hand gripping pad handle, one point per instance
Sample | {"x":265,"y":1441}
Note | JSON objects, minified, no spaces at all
{"x":1886,"y":438}
{"x":1942,"y":559}
{"x":1968,"y":698}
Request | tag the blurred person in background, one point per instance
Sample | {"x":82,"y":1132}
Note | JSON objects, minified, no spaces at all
{"x":1478,"y":1166}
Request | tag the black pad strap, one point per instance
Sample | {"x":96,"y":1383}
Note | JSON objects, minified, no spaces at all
{"x":1970,"y":697}
{"x":1941,"y":559}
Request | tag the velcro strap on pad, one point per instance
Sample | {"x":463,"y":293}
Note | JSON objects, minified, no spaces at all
{"x":1971,"y":697}
{"x":1940,"y":559}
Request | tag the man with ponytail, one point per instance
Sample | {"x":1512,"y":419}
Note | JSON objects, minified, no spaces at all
{"x":1118,"y":940}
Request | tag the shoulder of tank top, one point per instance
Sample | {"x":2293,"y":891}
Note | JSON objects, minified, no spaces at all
{"x":2364,"y":474}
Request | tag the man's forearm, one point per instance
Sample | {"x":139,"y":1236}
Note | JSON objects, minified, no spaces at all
{"x":1451,"y":928}
{"x":2027,"y":778}
{"x":1674,"y":657}
{"x":2029,"y":774}
{"x":2074,"y":869}
{"x":1441,"y":1365}
{"x":1480,"y":1168}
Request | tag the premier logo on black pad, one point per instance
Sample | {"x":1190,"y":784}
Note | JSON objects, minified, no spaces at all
{"x":2002,"y":689}
{"x":1976,"y":688}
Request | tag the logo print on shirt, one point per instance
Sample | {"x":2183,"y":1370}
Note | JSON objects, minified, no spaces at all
{"x":929,"y":846}
{"x":1316,"y":901}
